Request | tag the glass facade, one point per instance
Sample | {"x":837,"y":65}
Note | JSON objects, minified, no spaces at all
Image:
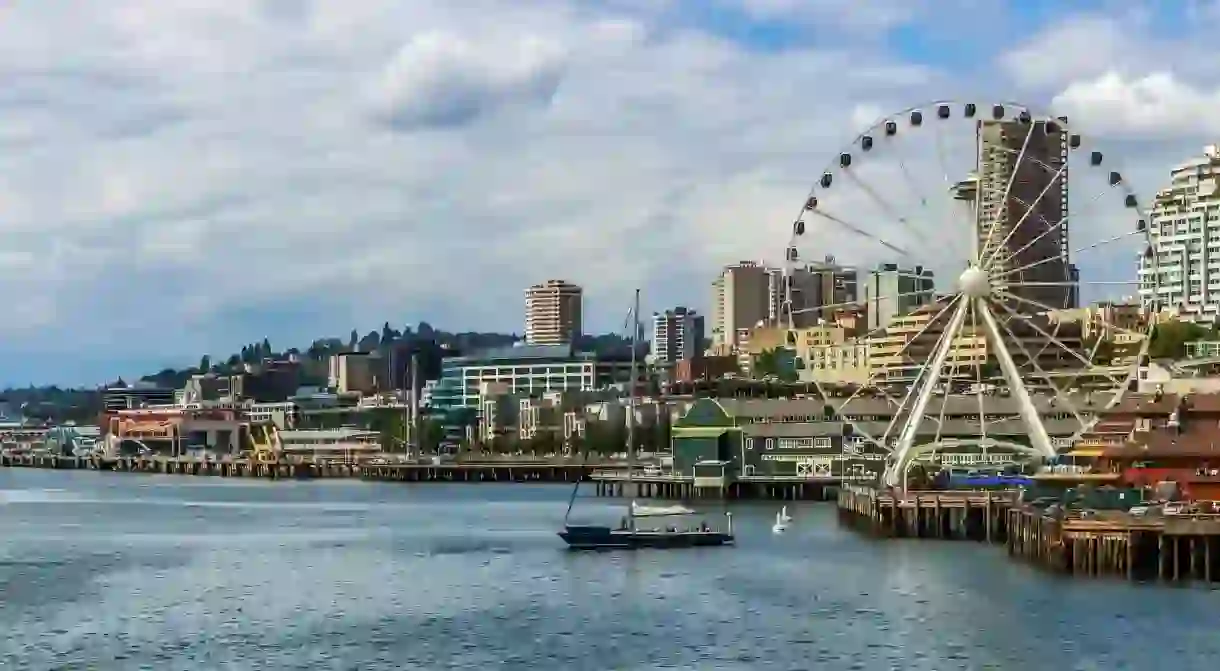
{"x":525,"y":371}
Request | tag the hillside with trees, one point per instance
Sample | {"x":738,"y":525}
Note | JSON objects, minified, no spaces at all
{"x":56,"y":404}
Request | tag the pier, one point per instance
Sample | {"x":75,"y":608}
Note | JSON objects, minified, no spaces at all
{"x":556,"y":471}
{"x":1086,"y":543}
{"x":225,"y":468}
{"x":495,"y":471}
{"x":944,"y":515}
{"x":681,"y":487}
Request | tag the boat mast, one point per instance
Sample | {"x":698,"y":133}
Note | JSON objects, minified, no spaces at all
{"x":635,"y":336}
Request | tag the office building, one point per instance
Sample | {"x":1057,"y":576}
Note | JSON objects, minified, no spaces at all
{"x":818,"y":290}
{"x":553,"y":313}
{"x":891,"y":291}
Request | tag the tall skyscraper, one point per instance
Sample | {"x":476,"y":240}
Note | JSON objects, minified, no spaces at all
{"x":999,"y":145}
{"x":677,"y":335}
{"x":553,"y":313}
{"x":1184,"y":223}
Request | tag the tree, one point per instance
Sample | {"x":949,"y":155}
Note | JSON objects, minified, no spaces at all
{"x":266,"y":348}
{"x":352,"y":340}
{"x":778,"y":361}
{"x":205,"y":363}
{"x":1169,"y":339}
{"x":430,"y":435}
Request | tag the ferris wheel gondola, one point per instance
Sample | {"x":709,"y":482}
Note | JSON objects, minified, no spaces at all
{"x":1008,"y":360}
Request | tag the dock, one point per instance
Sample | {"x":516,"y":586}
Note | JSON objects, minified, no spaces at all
{"x":1170,"y":549}
{"x":682,"y":487}
{"x":223,"y":468}
{"x":492,"y":470}
{"x":943,"y":515}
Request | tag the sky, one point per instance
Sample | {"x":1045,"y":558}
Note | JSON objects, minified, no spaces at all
{"x":180,"y":178}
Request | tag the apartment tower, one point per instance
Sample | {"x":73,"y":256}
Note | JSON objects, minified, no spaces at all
{"x":553,"y":313}
{"x":1185,"y":230}
{"x":1043,"y":232}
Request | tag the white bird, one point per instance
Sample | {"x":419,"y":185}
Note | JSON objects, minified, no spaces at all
{"x":780,"y":526}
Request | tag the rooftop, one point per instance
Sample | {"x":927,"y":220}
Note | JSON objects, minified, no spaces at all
{"x":525,"y":352}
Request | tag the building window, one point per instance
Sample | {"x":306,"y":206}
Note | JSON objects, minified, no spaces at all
{"x":821,"y":442}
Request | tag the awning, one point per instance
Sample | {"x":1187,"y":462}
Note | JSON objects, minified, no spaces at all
{"x":1087,"y":452}
{"x":699,"y":431}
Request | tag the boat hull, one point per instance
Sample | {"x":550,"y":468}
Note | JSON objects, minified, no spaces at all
{"x":605,"y":538}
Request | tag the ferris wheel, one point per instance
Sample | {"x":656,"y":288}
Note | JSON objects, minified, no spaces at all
{"x":970,"y":277}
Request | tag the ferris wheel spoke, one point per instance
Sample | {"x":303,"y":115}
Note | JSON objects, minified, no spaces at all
{"x":993,"y":224}
{"x":1042,"y":332}
{"x":944,"y":403}
{"x":885,"y":205}
{"x":989,"y":261}
{"x":910,"y":429}
{"x":923,"y":370}
{"x":863,"y":233}
{"x":978,"y":377}
{"x":1033,"y":419}
{"x":1050,"y":230}
{"x":1038,"y":370}
{"x":938,"y":140}
{"x":858,"y":303}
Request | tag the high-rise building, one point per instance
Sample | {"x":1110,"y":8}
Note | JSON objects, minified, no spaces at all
{"x":553,"y":313}
{"x":892,"y":292}
{"x":1184,"y":275}
{"x":1043,"y":230}
{"x":742,"y":296}
{"x":817,"y":288}
{"x":677,"y":335}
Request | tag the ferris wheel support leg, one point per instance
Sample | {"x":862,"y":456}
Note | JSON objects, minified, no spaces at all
{"x":1038,"y":437}
{"x":895,"y":473}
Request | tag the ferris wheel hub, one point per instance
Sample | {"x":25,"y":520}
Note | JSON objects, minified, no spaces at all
{"x":974,"y":282}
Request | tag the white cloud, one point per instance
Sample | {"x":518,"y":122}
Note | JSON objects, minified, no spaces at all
{"x":187,"y":174}
{"x":443,"y":80}
{"x":1154,"y":105}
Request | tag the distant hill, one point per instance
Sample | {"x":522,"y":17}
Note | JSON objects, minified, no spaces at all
{"x":83,"y":405}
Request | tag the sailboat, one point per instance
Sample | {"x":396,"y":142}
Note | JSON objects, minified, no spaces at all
{"x":784,"y":516}
{"x":631,"y":534}
{"x":780,"y":525}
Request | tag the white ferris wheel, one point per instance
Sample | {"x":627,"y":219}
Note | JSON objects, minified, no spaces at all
{"x":970,"y":275}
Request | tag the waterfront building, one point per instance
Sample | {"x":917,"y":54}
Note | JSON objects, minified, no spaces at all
{"x":523,"y":371}
{"x":348,"y":445}
{"x":810,"y":437}
{"x":284,"y":414}
{"x":553,"y":313}
{"x":124,"y":396}
{"x":73,"y":439}
{"x":1185,"y":230}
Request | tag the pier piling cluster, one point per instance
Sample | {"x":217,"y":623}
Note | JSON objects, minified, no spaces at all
{"x":1081,"y":543}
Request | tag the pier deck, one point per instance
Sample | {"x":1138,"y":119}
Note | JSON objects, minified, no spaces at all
{"x":1091,"y":543}
{"x":481,"y":471}
{"x":620,"y":482}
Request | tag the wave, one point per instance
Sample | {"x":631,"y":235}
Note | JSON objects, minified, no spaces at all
{"x":9,"y":496}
